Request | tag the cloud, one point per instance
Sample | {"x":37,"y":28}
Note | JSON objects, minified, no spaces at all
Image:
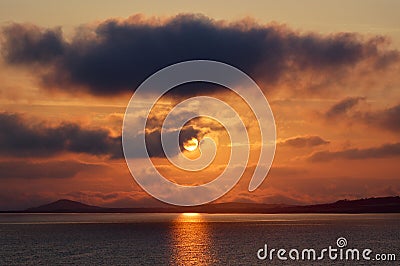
{"x":52,"y":169}
{"x":117,"y":55}
{"x":388,"y":118}
{"x":19,"y":139}
{"x":343,"y":106}
{"x":384,"y":151}
{"x":155,"y":148}
{"x":114,"y":199}
{"x":304,"y":141}
{"x":282,"y":199}
{"x":30,"y":44}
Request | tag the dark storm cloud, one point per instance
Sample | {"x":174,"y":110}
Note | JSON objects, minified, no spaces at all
{"x":55,"y":169}
{"x":305,"y":141}
{"x":116,"y":56}
{"x":19,"y":139}
{"x":384,"y":151}
{"x":343,"y":106}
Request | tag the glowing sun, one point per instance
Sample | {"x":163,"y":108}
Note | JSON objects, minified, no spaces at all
{"x":191,"y":145}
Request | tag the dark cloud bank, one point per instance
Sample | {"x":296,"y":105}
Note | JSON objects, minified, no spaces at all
{"x":19,"y":139}
{"x":116,"y":56}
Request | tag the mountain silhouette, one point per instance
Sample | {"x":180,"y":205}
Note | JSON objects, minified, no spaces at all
{"x":369,"y":205}
{"x":64,"y":205}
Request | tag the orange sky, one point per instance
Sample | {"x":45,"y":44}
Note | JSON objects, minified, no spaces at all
{"x":332,"y":83}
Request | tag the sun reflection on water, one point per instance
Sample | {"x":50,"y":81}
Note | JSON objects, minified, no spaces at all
{"x":191,"y":240}
{"x":186,"y":216}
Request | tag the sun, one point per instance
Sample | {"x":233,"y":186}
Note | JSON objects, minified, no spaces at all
{"x":191,"y":145}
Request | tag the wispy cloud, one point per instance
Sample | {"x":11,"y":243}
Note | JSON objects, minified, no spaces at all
{"x":384,"y":151}
{"x":304,"y":141}
{"x":343,"y":106}
{"x":51,"y":169}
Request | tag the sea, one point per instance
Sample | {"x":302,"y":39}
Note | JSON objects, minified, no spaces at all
{"x":199,"y":239}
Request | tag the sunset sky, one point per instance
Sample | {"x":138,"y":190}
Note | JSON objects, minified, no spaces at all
{"x":330,"y":72}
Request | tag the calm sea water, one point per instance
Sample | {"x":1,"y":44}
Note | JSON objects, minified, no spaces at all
{"x":187,"y":239}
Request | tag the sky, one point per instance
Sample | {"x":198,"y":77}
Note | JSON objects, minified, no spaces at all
{"x":68,"y":70}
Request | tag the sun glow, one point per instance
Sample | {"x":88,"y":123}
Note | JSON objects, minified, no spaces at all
{"x":191,"y":144}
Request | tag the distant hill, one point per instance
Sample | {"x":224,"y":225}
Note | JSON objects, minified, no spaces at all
{"x":65,"y":205}
{"x":370,"y":205}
